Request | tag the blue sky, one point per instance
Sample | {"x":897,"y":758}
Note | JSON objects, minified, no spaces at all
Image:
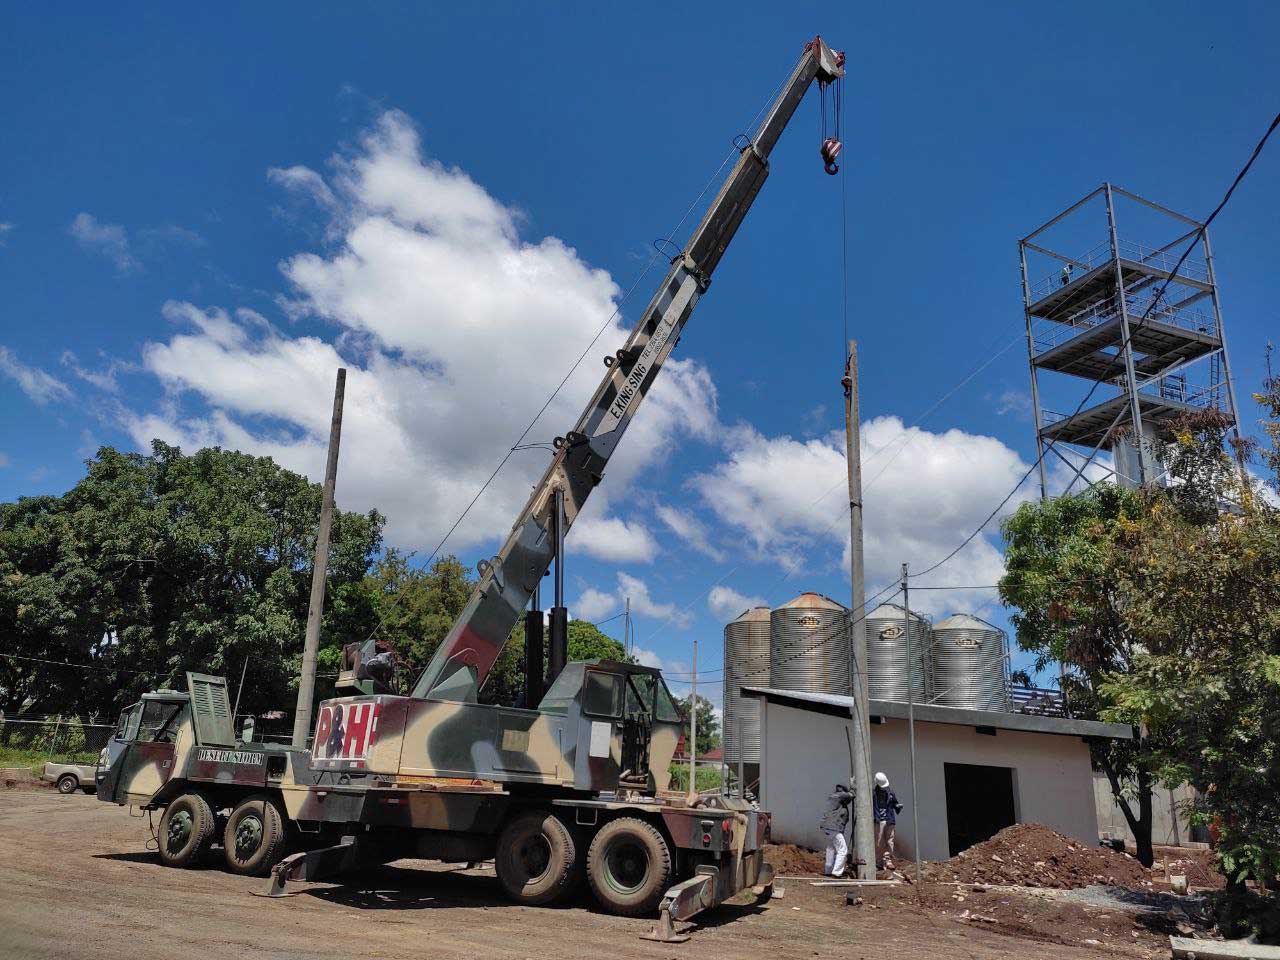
{"x":202,"y":212}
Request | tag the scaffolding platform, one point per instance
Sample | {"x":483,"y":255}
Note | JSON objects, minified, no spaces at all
{"x":1160,"y":344}
{"x":1138,"y":319}
{"x":1090,"y":426}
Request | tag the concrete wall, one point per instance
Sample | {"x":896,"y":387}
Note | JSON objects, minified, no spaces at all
{"x":806,"y":753}
{"x":1169,"y":825}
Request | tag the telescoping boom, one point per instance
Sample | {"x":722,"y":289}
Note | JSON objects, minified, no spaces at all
{"x":509,"y":579}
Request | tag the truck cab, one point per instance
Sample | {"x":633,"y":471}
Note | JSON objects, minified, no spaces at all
{"x":143,"y":753}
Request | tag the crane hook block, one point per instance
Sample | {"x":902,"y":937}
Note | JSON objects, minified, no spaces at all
{"x":831,"y":148}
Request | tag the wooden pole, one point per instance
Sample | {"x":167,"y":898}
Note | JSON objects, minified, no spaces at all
{"x":911,"y":730}
{"x":864,"y":846}
{"x":315,"y":610}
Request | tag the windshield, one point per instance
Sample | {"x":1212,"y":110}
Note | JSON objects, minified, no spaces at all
{"x":649,"y":692}
{"x":125,"y":724}
{"x":158,"y":720}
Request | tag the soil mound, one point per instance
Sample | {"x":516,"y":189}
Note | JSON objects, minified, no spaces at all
{"x":792,"y":861}
{"x":1032,"y":855}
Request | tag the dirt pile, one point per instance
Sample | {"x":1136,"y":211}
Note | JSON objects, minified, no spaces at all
{"x":1032,"y":855}
{"x":792,"y":861}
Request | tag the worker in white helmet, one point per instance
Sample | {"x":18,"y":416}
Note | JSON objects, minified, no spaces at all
{"x":885,"y":810}
{"x":835,"y":818}
{"x":1065,"y":276}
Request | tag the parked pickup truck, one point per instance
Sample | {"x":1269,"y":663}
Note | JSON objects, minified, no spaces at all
{"x":70,"y":777}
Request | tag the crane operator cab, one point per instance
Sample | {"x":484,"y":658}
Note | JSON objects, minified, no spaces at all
{"x":626,"y":719}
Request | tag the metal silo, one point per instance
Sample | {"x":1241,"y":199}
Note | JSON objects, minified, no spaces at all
{"x":809,"y":645}
{"x":746,"y":662}
{"x":969,"y":664}
{"x":887,"y":644}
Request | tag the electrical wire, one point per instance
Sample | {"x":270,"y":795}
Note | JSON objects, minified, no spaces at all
{"x":1199,"y":236}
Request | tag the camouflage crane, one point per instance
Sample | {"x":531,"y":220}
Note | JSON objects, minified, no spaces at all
{"x":576,"y":788}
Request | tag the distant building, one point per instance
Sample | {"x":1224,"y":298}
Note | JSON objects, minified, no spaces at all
{"x":977,"y":771}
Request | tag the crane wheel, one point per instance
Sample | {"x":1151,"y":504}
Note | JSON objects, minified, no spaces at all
{"x":537,"y":860}
{"x":253,"y":840}
{"x":629,"y":866}
{"x":186,"y":831}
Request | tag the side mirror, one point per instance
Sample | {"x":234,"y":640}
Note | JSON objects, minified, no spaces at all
{"x":246,"y":734}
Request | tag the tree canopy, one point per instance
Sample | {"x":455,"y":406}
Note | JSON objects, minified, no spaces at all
{"x":158,"y":563}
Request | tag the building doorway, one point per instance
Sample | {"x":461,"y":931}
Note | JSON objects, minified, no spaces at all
{"x":980,"y":803}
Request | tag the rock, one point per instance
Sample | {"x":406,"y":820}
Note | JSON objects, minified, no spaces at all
{"x":997,"y":858}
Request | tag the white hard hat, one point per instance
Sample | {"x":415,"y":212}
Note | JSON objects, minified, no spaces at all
{"x":881,"y":780}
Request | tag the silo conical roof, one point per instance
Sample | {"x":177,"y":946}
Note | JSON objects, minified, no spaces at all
{"x":753,"y":615}
{"x":812,"y":600}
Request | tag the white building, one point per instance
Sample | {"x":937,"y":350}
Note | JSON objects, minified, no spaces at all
{"x":976,"y":771}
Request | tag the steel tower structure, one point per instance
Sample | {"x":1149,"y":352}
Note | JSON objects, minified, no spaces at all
{"x":1097,"y":309}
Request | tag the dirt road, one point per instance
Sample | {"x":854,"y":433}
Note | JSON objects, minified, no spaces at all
{"x":77,"y":881}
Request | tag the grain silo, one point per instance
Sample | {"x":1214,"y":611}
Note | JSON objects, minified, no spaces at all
{"x":970,"y":668}
{"x":887,"y":646}
{"x":746,"y":662}
{"x":809,"y":645}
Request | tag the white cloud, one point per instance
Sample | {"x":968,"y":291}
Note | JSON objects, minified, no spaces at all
{"x":923,"y":494}
{"x":4,"y":460}
{"x":5,"y":228}
{"x":691,"y":530}
{"x":453,"y":328}
{"x":41,"y":387}
{"x":303,"y":180}
{"x":108,"y":239}
{"x":726,"y":603}
{"x":105,"y":380}
{"x":612,"y":539}
{"x":595,"y":604}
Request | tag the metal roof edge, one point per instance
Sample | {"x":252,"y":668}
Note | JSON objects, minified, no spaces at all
{"x":959,"y":716}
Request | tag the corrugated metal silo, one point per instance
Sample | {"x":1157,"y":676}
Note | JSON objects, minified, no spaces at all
{"x":809,"y":645}
{"x":746,"y":662}
{"x":887,"y":643}
{"x":969,"y":665}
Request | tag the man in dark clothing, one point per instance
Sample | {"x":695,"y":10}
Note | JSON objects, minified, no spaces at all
{"x":885,"y":810}
{"x":835,"y":818}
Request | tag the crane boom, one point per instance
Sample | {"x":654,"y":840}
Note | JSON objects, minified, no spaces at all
{"x":509,"y":579}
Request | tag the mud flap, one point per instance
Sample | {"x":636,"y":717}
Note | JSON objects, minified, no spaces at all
{"x":312,"y":865}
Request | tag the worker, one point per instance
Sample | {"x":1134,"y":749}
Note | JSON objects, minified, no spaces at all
{"x":1066,"y":274}
{"x":835,"y":818}
{"x":885,"y":810}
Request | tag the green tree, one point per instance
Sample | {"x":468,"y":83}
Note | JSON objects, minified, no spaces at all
{"x":158,"y":563}
{"x":1202,"y":598}
{"x":1069,"y":611}
{"x":412,"y":609}
{"x":707,"y":724}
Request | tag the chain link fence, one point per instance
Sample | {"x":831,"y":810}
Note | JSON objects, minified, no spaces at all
{"x":30,"y":743}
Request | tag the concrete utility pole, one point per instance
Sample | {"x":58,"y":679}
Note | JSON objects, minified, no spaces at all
{"x":315,"y":610}
{"x":864,"y":846}
{"x":693,"y":723}
{"x":911,"y":728}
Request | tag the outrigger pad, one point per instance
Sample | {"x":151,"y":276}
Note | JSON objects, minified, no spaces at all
{"x":311,"y":865}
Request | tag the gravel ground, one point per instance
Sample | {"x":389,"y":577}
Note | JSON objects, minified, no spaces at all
{"x":78,"y":882}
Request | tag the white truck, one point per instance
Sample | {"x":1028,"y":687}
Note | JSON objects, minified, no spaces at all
{"x":70,"y":777}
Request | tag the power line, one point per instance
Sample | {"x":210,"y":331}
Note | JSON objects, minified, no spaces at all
{"x":1199,"y":235}
{"x":79,"y":666}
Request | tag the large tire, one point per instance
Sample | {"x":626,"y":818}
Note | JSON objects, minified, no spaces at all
{"x":630,"y":866}
{"x":537,"y":859}
{"x":186,"y":831}
{"x":67,"y":784}
{"x":253,"y":840}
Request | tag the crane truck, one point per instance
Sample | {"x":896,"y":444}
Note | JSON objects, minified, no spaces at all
{"x":575,"y":788}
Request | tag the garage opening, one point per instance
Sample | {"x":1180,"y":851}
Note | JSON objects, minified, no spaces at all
{"x":979,"y":803}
